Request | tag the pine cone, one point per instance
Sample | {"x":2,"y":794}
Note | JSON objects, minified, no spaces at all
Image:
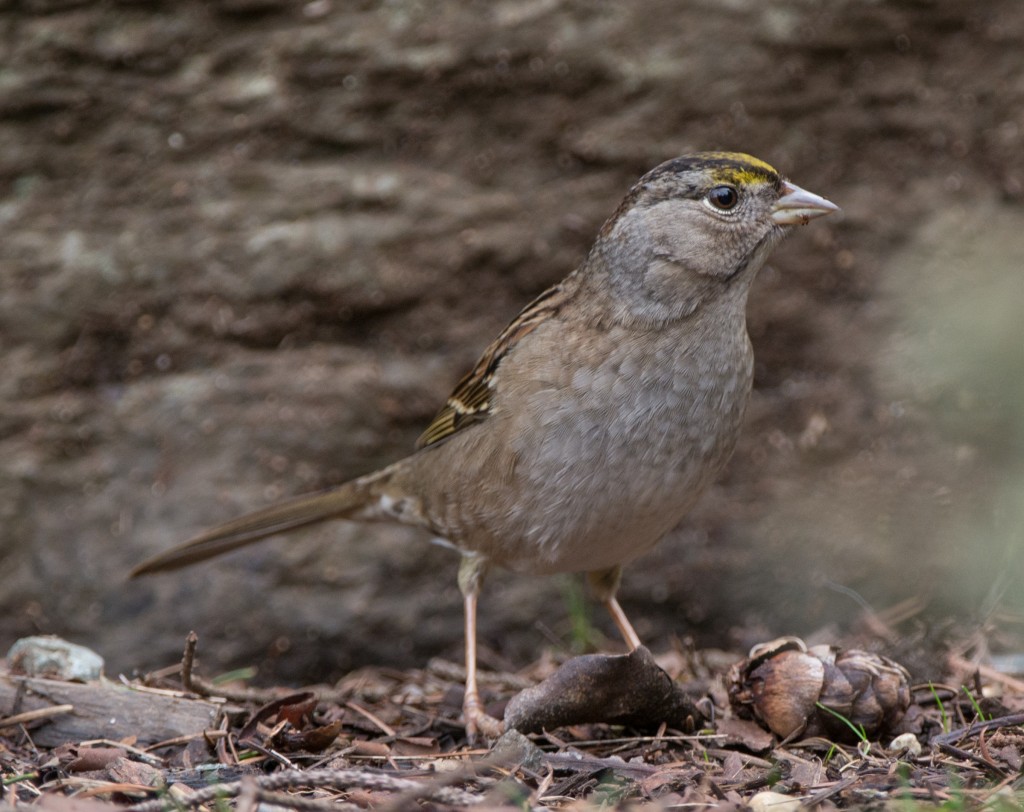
{"x":792,"y":689}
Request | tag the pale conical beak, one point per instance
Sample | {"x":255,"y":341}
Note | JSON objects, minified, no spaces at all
{"x":798,"y":206}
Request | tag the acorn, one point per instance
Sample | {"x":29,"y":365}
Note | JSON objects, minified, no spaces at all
{"x":795,"y":691}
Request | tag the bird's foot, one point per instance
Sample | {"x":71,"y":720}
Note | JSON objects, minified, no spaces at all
{"x":478,"y":722}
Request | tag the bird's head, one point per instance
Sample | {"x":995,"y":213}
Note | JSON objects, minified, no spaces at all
{"x":696,"y":227}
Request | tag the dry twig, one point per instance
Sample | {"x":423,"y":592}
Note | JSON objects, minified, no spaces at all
{"x":319,"y":779}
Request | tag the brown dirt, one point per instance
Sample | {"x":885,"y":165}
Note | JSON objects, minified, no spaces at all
{"x":248,"y":246}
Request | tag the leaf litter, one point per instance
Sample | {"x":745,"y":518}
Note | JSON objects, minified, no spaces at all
{"x":389,"y":739}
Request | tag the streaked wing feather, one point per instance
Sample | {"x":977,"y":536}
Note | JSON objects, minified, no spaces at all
{"x":470,"y":400}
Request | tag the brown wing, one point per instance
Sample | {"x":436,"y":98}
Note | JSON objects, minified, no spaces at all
{"x":470,"y":401}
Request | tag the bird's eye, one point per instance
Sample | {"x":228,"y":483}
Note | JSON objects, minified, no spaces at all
{"x":723,"y":197}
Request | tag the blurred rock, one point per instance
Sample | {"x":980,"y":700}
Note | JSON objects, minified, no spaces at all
{"x":249,"y":246}
{"x":52,"y":658}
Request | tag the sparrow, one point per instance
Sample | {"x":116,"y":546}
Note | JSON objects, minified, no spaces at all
{"x":589,"y":427}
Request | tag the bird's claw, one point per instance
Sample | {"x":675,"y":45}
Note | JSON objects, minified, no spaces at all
{"x":479,"y":722}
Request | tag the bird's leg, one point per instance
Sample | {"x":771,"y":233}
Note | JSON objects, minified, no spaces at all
{"x":604,"y":584}
{"x":472,"y":570}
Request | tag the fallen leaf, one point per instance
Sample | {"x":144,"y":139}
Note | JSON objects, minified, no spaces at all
{"x":746,"y":733}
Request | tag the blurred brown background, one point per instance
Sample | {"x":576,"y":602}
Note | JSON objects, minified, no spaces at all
{"x":249,"y":245}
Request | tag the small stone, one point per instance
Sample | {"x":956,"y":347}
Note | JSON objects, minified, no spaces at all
{"x":906,"y":743}
{"x":768,"y":801}
{"x":514,"y":749}
{"x":53,"y":658}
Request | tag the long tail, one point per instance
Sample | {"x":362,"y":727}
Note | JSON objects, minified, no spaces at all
{"x":301,"y":511}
